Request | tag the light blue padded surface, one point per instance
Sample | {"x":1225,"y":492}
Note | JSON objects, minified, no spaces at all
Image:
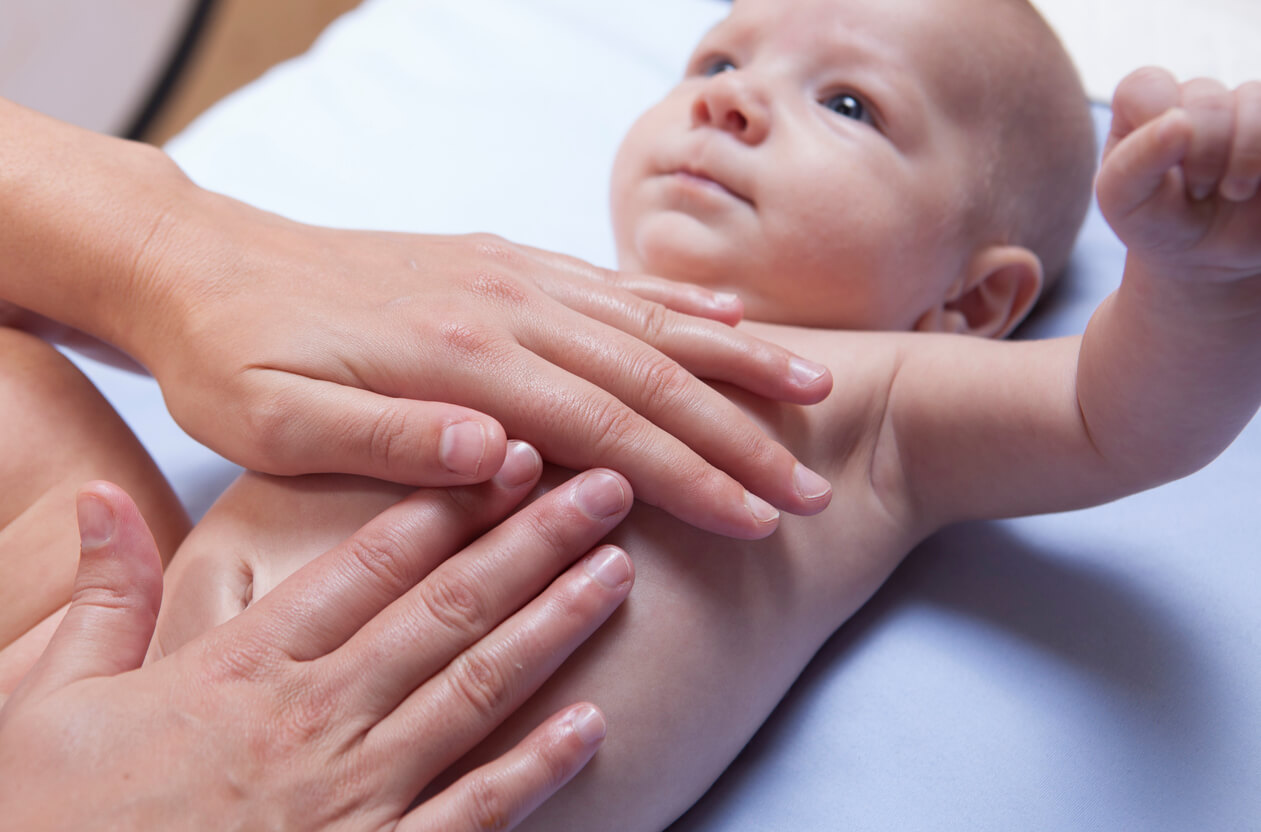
{"x":1093,"y":670}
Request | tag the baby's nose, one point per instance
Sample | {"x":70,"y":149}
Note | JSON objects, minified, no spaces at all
{"x":727,"y":103}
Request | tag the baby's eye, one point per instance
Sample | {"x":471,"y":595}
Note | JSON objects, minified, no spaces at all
{"x":715,"y":66}
{"x":849,"y":106}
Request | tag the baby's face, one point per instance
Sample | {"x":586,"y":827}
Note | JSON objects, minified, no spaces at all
{"x":818,"y":159}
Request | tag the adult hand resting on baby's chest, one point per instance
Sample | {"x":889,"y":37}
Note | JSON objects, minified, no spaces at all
{"x":294,"y":349}
{"x":378,"y":354}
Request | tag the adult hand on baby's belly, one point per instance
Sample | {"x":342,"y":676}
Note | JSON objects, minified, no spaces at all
{"x":344,"y":692}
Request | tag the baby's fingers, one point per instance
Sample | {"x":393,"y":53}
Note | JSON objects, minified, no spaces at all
{"x":1142,"y":168}
{"x":1142,"y":97}
{"x":1243,"y":173}
{"x":1211,"y":108}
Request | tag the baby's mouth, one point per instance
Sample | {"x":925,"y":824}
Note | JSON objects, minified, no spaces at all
{"x":696,"y":178}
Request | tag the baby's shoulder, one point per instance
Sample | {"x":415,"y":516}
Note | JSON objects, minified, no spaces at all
{"x":844,"y":428}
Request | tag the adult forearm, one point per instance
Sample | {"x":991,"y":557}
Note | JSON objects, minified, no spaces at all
{"x":77,"y":211}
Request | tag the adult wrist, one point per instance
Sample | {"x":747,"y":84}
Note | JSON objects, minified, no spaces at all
{"x":77,"y":211}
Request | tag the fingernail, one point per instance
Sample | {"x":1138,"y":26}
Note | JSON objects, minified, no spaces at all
{"x":600,"y":495}
{"x":463,"y":447}
{"x":521,"y":465}
{"x":1201,"y":192}
{"x":805,"y":372}
{"x":725,"y":299}
{"x":609,"y":567}
{"x":809,"y":484}
{"x":96,"y":522}
{"x":588,"y":724}
{"x":762,"y":511}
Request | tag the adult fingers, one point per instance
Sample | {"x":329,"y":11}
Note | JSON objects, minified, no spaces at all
{"x":1212,"y":111}
{"x":686,"y":298}
{"x":323,"y":426}
{"x":679,"y":320}
{"x":705,"y":348}
{"x":500,"y":794}
{"x":117,"y":592}
{"x":1243,"y":173}
{"x":328,"y":600}
{"x":681,"y":297}
{"x":457,"y":708}
{"x":685,"y":448}
{"x":467,"y":596}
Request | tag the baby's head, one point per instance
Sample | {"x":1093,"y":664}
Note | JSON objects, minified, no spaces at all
{"x":859,"y":165}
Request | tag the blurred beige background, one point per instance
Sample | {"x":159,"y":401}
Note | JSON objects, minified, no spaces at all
{"x":241,"y":40}
{"x":97,"y":63}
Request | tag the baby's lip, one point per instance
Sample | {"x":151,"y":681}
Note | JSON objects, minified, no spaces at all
{"x":702,"y":177}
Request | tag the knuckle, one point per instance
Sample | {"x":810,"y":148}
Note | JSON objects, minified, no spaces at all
{"x":616,"y":426}
{"x":655,"y":320}
{"x":242,"y":659}
{"x":609,"y":277}
{"x":492,"y":246}
{"x":498,"y":288}
{"x":752,"y":354}
{"x":553,"y":530}
{"x":387,"y":439}
{"x":663,"y":381}
{"x":453,"y":602}
{"x":489,"y":808}
{"x":105,"y":597}
{"x":557,"y":767}
{"x":380,"y":553}
{"x":309,"y":713}
{"x":269,"y":428}
{"x":762,"y":453}
{"x":466,"y":340}
{"x":480,"y":682}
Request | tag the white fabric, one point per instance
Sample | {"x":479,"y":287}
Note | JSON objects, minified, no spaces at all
{"x":1209,"y":38}
{"x":1094,"y":670}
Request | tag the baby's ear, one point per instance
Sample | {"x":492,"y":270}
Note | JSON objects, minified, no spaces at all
{"x":998,"y":289}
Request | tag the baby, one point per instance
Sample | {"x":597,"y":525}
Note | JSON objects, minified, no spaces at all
{"x":847,"y":166}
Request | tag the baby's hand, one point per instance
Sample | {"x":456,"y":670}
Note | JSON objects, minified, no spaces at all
{"x":1180,"y":175}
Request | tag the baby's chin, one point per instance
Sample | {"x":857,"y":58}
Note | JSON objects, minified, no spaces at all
{"x":669,"y":251}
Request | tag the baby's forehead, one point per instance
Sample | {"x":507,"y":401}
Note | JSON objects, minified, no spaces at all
{"x":949,"y":46}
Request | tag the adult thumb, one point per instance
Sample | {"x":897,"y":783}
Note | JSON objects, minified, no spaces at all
{"x":117,"y":592}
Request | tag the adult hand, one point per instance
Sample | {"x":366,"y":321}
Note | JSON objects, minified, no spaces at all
{"x":377,"y":354}
{"x":339,"y":696}
{"x":292,"y":349}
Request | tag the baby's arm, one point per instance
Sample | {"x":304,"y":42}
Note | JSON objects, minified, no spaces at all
{"x":1171,"y":365}
{"x":1169,"y":369}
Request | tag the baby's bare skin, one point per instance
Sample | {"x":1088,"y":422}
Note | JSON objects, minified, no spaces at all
{"x":672,"y":669}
